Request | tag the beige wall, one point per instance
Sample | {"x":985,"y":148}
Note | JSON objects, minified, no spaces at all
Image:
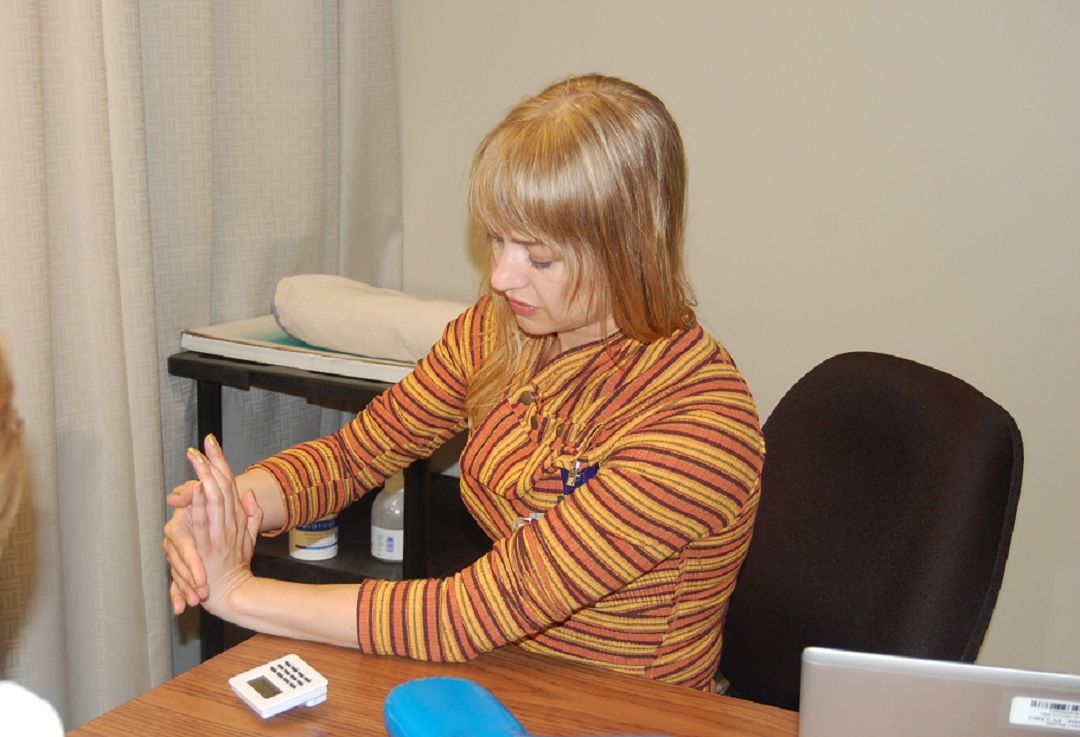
{"x":900,"y":176}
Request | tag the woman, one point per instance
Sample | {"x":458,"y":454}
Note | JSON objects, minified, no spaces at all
{"x":614,"y":450}
{"x":23,"y":712}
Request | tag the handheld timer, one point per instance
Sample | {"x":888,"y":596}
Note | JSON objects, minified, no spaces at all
{"x":280,"y":685}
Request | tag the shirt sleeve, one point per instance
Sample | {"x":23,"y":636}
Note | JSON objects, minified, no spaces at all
{"x":408,"y":421}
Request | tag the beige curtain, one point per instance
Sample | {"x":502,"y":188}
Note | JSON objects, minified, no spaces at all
{"x":162,"y":164}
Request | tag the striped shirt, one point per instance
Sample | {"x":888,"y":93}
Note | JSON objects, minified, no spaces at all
{"x":632,"y":570}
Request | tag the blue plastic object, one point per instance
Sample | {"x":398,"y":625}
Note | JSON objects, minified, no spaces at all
{"x":447,"y":707}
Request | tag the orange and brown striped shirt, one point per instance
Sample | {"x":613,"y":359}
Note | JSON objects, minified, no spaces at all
{"x":632,"y":570}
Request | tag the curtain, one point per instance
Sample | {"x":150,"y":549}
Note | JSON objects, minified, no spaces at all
{"x":162,"y":165}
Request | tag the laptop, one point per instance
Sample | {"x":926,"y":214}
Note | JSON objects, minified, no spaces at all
{"x":850,"y":694}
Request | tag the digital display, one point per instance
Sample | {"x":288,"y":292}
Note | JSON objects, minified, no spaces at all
{"x":264,"y":687}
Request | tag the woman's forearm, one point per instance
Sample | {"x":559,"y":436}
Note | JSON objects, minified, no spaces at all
{"x":320,"y":613}
{"x":267,"y":494}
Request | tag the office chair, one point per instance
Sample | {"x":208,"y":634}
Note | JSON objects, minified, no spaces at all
{"x":888,"y":497}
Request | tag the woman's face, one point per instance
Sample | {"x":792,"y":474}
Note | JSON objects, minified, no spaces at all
{"x":534,"y":282}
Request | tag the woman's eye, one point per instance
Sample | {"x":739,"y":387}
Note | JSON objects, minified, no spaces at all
{"x":539,"y":256}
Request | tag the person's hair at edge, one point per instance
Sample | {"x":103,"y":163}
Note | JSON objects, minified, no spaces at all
{"x":592,"y":167}
{"x":11,"y":457}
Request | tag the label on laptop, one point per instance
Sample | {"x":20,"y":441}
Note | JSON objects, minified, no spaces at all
{"x":1028,"y":712}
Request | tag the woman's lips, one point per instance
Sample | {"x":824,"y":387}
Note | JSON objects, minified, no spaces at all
{"x":522,"y":309}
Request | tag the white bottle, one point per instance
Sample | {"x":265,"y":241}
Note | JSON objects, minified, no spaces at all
{"x":388,"y":520}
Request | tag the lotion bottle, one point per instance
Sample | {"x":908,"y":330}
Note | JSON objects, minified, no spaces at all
{"x":388,"y":520}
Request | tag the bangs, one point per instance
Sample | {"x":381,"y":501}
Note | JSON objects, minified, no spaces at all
{"x":530,"y":180}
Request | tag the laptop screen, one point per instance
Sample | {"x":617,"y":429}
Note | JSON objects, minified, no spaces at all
{"x":849,"y":694}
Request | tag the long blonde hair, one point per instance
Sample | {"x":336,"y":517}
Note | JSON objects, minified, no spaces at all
{"x":11,"y":454}
{"x":592,"y":167}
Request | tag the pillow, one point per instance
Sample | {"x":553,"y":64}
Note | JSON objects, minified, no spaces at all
{"x":344,"y":315}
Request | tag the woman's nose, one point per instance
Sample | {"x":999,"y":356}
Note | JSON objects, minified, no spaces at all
{"x":506,"y":273}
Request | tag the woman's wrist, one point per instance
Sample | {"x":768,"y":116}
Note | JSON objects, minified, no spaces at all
{"x":234,"y":602}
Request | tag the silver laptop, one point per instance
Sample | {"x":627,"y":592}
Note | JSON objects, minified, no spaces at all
{"x":848,"y":694}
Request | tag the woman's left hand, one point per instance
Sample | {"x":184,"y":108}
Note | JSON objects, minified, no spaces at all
{"x":226,"y":525}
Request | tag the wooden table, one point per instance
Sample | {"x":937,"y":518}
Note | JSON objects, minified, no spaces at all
{"x":549,"y":696}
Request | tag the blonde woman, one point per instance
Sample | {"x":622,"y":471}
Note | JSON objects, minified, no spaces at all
{"x":11,"y":450}
{"x":614,"y":450}
{"x":23,"y":712}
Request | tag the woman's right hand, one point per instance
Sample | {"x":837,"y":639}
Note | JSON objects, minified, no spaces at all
{"x":189,"y":586}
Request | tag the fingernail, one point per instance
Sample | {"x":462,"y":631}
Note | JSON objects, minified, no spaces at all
{"x":194,"y":453}
{"x":212,"y":440}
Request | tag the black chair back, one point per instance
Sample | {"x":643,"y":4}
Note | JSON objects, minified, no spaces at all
{"x":888,"y":497}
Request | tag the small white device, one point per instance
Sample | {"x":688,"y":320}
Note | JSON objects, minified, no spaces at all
{"x":280,"y":685}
